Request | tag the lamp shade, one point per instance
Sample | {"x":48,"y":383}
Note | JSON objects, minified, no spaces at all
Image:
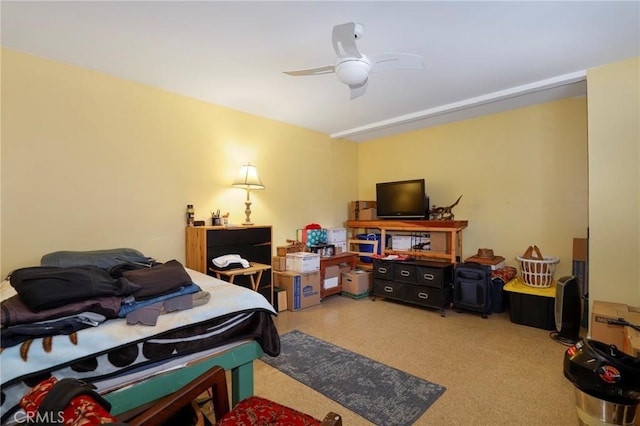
{"x":248,"y":178}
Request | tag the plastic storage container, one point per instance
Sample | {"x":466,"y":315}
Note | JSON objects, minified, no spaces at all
{"x":368,"y":248}
{"x":531,"y":306}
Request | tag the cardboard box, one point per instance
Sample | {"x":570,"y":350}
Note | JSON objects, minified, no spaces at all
{"x":279,"y":263}
{"x":410,"y":242}
{"x":601,"y":330}
{"x":421,"y":243}
{"x":580,"y":267}
{"x":330,"y":283}
{"x":440,"y":241}
{"x":368,"y":214}
{"x":356,"y":283}
{"x":336,"y":235}
{"x":283,"y":250}
{"x":580,"y":248}
{"x":363,"y":210}
{"x":331,"y":277}
{"x":344,"y":267}
{"x":631,"y":344}
{"x":303,"y":290}
{"x":340,"y":247}
{"x":279,"y":299}
{"x":401,"y":242}
{"x":303,"y":262}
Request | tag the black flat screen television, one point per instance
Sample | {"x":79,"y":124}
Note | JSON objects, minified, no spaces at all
{"x":405,"y":199}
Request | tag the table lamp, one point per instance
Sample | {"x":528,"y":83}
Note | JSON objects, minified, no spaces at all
{"x":248,"y":179}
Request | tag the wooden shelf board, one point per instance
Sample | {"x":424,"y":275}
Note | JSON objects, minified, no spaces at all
{"x":407,"y":225}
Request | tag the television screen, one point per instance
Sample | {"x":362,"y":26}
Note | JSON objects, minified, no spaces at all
{"x":402,"y":199}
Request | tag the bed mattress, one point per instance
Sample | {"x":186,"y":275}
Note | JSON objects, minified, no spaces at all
{"x":233,"y":313}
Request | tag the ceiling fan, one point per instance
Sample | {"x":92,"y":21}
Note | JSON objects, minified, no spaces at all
{"x":353,"y":67}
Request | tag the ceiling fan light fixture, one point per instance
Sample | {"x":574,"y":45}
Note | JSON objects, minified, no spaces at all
{"x":352,"y":67}
{"x":353,"y":72}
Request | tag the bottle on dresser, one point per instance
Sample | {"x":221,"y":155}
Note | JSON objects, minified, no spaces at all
{"x":190,"y":215}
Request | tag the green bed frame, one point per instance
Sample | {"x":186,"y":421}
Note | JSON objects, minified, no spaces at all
{"x":238,"y":359}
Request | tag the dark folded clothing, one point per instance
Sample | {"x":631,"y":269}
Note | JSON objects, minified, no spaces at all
{"x":13,"y":311}
{"x":158,"y":280}
{"x":104,"y":259}
{"x":132,"y":305}
{"x":148,"y":315}
{"x":11,"y":336}
{"x":119,"y":269}
{"x":46,"y":287}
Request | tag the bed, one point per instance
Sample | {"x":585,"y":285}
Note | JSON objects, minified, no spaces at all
{"x":135,"y":364}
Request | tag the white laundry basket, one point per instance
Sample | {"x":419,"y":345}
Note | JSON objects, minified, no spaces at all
{"x":538,"y":273}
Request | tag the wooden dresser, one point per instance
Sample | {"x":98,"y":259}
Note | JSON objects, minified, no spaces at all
{"x":253,"y":243}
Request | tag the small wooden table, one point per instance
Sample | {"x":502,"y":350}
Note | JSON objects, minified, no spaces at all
{"x":254,"y":271}
{"x":347,"y":257}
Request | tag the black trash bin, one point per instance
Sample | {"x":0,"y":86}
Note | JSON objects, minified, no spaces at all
{"x":607,"y":383}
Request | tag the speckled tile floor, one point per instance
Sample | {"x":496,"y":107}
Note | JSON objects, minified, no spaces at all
{"x":496,"y":372}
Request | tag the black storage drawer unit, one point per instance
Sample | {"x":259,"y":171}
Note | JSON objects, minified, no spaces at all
{"x":426,"y":296}
{"x":404,"y":272}
{"x":390,"y":289}
{"x":383,"y":269}
{"x":417,"y":282}
{"x":432,"y":275}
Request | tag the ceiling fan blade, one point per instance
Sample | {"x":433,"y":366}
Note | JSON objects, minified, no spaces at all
{"x":396,"y":61}
{"x":358,"y":90}
{"x":313,"y":71}
{"x":344,"y":40}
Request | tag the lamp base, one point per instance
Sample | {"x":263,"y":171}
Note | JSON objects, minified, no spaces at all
{"x":247,"y":213}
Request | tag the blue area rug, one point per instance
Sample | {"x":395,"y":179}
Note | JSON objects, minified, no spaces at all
{"x":379,"y":393}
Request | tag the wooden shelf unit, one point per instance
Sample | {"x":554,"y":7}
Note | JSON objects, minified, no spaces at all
{"x":453,"y":229}
{"x":253,"y":243}
{"x":338,"y":259}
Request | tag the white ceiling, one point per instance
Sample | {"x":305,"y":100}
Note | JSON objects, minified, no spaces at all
{"x":480,"y":56}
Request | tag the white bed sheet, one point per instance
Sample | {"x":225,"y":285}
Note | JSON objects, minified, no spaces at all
{"x":225,"y":299}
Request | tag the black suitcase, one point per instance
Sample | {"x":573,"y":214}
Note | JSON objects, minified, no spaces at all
{"x":499,"y":302}
{"x":472,"y":288}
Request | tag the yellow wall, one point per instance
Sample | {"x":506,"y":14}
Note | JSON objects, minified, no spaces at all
{"x":91,"y":161}
{"x":522,"y":175}
{"x":614,"y":181}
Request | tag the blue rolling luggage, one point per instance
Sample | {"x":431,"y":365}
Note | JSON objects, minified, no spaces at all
{"x":472,"y":288}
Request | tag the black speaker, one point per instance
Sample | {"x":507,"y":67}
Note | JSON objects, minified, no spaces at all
{"x":568,"y":307}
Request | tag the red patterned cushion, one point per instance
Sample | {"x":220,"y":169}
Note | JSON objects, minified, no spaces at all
{"x":259,"y":411}
{"x":81,"y":411}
